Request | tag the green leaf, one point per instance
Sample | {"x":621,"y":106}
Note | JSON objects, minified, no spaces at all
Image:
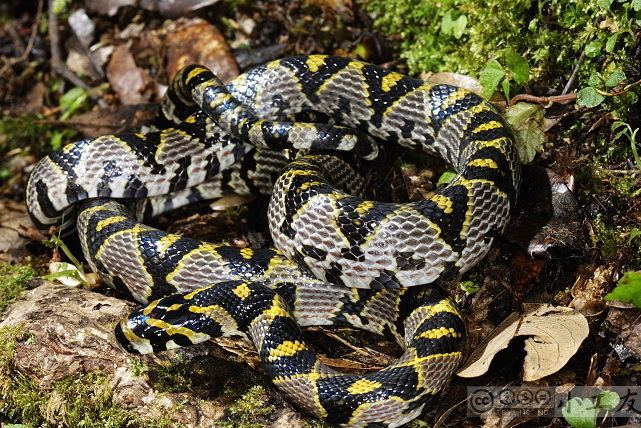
{"x":56,"y":140}
{"x":595,"y":79}
{"x":593,"y":48}
{"x":580,"y":413}
{"x":607,"y":400}
{"x":618,"y":124}
{"x":446,"y":178}
{"x":589,"y":97}
{"x":60,"y":6}
{"x":451,"y":26}
{"x":505,"y":84}
{"x":604,"y":4}
{"x":636,"y":5}
{"x":528,"y":122}
{"x":73,"y":100}
{"x":518,"y":65}
{"x":459,"y":26}
{"x":628,"y":289}
{"x":611,"y":42}
{"x":615,"y":78}
{"x":470,"y":287}
{"x":490,"y":77}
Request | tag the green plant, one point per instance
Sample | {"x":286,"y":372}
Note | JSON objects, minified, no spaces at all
{"x":65,"y":270}
{"x":628,"y":289}
{"x":517,"y":70}
{"x":582,"y":412}
{"x":623,"y":129}
{"x":522,"y":44}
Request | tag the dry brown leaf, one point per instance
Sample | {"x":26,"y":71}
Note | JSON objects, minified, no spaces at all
{"x":175,"y":8}
{"x":108,"y":7}
{"x":195,"y":41}
{"x":554,"y":335}
{"x":230,"y":201}
{"x":113,"y":120}
{"x":125,"y":77}
{"x":14,"y":221}
{"x":456,"y":79}
{"x":590,"y":287}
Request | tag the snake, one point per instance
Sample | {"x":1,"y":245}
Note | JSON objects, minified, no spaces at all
{"x":299,"y":129}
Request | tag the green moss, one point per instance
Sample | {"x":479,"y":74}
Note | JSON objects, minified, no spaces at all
{"x":464,"y":35}
{"x":12,"y":282}
{"x":316,"y":423}
{"x":77,"y":401}
{"x":248,"y":410}
{"x":621,"y":244}
{"x":166,"y":376}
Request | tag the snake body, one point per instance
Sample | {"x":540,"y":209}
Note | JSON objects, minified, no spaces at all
{"x":341,"y":260}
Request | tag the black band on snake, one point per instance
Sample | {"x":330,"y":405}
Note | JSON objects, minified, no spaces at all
{"x":341,"y":260}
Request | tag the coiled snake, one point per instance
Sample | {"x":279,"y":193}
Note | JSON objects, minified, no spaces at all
{"x":341,"y":259}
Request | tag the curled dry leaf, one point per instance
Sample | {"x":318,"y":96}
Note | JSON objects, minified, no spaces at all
{"x":589,"y":289}
{"x":195,"y":41}
{"x":554,"y":335}
{"x":456,"y":79}
{"x":230,"y":201}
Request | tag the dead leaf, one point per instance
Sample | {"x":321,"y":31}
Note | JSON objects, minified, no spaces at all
{"x":125,"y":77}
{"x":34,"y":101}
{"x":230,"y":201}
{"x":112,"y":120}
{"x":456,"y":79}
{"x":625,"y":323}
{"x":175,"y":8}
{"x":195,"y":41}
{"x":14,"y":221}
{"x":418,"y":182}
{"x":82,"y":26}
{"x":555,"y":334}
{"x":589,"y":288}
{"x":108,"y":7}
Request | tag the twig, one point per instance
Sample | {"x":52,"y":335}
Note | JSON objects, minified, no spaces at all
{"x":575,"y":73}
{"x":547,"y":101}
{"x":625,"y":89}
{"x":32,"y":39}
{"x":57,"y":65}
{"x":621,"y":171}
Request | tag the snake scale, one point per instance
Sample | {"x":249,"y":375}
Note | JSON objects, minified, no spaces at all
{"x":341,"y":260}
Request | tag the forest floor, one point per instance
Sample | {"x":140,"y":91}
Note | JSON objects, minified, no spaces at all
{"x":80,"y":69}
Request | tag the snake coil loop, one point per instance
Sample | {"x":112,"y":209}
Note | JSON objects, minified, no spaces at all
{"x":341,"y":260}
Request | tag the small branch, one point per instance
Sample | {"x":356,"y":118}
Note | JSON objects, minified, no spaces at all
{"x":57,"y":65}
{"x":574,"y":74}
{"x":547,"y":101}
{"x":32,"y":39}
{"x":621,"y":171}
{"x":625,"y":89}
